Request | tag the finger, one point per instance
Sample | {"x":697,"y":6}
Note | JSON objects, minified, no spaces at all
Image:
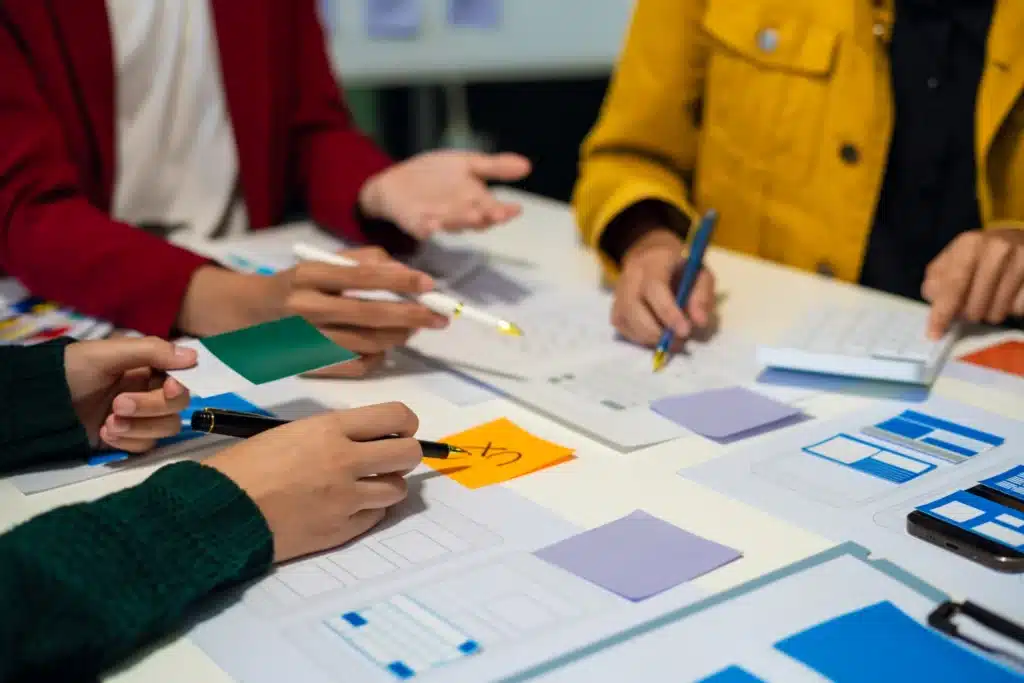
{"x":662,"y":303}
{"x":328,"y":309}
{"x":991,"y":262}
{"x":629,"y":312}
{"x":702,"y":300}
{"x":143,"y":428}
{"x":150,"y":403}
{"x":125,"y":444}
{"x":504,"y":166}
{"x":381,"y":491}
{"x":391,"y":276}
{"x":361,"y":522}
{"x":367,"y":341}
{"x":116,"y":356}
{"x":1009,"y":284}
{"x":376,"y":421}
{"x":367,"y":255}
{"x":387,"y":456}
{"x":360,"y":367}
{"x":1018,"y":305}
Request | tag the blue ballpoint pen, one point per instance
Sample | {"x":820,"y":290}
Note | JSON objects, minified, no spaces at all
{"x":694,"y":263}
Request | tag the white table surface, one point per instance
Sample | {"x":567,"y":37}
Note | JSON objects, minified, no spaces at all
{"x":601,"y":484}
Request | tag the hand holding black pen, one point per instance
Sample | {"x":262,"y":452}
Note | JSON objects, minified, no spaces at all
{"x":246,"y":425}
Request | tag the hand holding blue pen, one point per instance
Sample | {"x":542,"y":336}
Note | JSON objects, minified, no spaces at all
{"x":692,"y":268}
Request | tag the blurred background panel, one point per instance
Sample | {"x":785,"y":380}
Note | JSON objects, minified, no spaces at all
{"x":520,"y":75}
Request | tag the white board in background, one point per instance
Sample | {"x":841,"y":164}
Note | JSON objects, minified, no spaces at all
{"x":555,"y":38}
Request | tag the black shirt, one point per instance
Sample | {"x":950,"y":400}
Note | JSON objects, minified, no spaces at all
{"x":929,"y":194}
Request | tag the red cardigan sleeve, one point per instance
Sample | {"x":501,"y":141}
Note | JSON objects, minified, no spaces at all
{"x":59,"y":244}
{"x":332,"y":158}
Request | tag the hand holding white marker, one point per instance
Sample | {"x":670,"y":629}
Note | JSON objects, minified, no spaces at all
{"x":435,"y":301}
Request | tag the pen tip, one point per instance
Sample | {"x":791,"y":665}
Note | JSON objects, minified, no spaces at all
{"x":659,"y":359}
{"x":511,"y":329}
{"x":456,"y":449}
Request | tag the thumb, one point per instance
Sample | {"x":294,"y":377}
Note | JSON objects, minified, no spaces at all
{"x":115,"y":356}
{"x":499,"y":166}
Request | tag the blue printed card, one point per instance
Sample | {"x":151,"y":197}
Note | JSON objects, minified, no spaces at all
{"x":1009,"y":483}
{"x":223,"y":401}
{"x":980,"y":516}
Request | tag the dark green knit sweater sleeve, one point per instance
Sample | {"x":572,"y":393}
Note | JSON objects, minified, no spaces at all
{"x":84,"y":586}
{"x":38,"y":422}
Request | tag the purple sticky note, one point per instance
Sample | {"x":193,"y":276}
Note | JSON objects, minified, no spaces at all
{"x":474,"y":13}
{"x":393,"y":18}
{"x":724,"y":413}
{"x":637,"y":556}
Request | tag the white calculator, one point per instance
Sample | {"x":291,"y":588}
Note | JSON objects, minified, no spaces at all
{"x":873,"y":343}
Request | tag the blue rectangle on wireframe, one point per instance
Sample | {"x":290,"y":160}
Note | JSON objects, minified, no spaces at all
{"x":732,"y":674}
{"x":905,"y":428}
{"x":1010,"y":482}
{"x":884,"y":470}
{"x":953,"y":427}
{"x":354,"y":618}
{"x":881,"y":644}
{"x":931,"y":440}
{"x":401,"y":669}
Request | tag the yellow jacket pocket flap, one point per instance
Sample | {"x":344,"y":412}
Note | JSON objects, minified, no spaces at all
{"x":772,"y":35}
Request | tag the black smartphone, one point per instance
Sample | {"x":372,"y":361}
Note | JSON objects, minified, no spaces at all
{"x":975,"y":547}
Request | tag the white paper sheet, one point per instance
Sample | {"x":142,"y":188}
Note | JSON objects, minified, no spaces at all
{"x":571,"y":366}
{"x":821,"y":494}
{"x":461,"y":554}
{"x":741,"y":627}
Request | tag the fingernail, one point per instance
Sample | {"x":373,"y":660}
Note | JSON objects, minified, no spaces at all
{"x":117,"y":426}
{"x":439,"y":323}
{"x":173,"y":389}
{"x":124,"y":406}
{"x":184,"y":352}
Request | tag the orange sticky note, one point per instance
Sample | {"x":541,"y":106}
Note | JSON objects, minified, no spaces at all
{"x":1007,"y":357}
{"x":498,"y":451}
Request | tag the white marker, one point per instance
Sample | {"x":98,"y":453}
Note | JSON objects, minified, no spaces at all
{"x":435,"y":301}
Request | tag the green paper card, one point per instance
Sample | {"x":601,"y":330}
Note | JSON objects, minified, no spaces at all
{"x":236,"y":361}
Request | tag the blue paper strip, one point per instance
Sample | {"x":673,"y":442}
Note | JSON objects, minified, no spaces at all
{"x":881,"y":644}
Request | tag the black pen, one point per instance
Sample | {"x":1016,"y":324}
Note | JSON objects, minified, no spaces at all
{"x":245,"y":425}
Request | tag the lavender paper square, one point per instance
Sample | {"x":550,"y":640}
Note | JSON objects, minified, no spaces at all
{"x":637,"y":556}
{"x":723,"y":413}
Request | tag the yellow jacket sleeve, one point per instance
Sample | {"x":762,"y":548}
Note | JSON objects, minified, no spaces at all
{"x":644,"y":144}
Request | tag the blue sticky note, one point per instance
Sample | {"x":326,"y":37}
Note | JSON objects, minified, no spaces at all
{"x":223,"y":401}
{"x":881,"y":644}
{"x":732,"y":674}
{"x":474,"y":13}
{"x":390,"y":19}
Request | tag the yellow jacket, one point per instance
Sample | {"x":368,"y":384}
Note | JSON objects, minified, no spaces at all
{"x":785,"y":133}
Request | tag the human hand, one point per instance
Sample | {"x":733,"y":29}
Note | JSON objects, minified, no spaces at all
{"x":645,"y":297}
{"x":118,"y":397}
{"x":979,"y":276}
{"x":220,"y":301}
{"x":370,"y":328}
{"x":322,"y":481}
{"x":444,"y":190}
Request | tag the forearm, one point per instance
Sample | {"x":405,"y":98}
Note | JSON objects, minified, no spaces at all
{"x":84,"y":586}
{"x":38,"y":423}
{"x":219,"y":300}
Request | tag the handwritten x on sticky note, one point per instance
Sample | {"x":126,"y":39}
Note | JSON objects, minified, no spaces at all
{"x":498,"y":451}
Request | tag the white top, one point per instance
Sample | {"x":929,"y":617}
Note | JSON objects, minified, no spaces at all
{"x":176,"y":157}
